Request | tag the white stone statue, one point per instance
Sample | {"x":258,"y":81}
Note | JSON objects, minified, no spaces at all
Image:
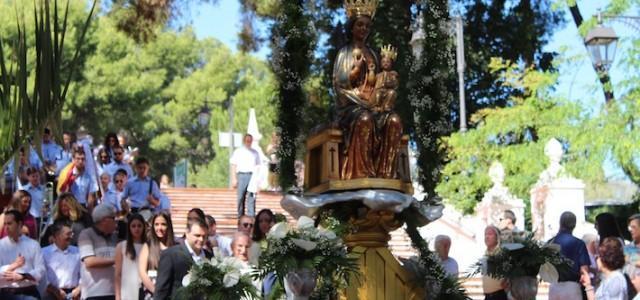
{"x":498,"y":199}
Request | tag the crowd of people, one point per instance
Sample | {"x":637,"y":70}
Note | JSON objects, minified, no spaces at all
{"x":90,"y":223}
{"x":603,"y":266}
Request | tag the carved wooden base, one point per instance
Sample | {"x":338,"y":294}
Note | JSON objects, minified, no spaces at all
{"x":372,"y":229}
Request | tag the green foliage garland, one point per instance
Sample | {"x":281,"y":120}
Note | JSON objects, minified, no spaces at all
{"x":292,"y":44}
{"x":430,"y":96}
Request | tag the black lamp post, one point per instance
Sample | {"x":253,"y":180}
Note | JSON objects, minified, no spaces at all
{"x":602,"y":43}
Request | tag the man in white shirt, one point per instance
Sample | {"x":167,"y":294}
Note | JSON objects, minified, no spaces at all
{"x":442,"y":246}
{"x":21,"y":262}
{"x":244,"y":163}
{"x":63,"y":264}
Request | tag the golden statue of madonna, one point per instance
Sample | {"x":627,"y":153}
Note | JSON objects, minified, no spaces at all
{"x":365,"y":98}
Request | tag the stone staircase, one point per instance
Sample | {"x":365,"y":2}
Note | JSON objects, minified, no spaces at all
{"x":221,"y":204}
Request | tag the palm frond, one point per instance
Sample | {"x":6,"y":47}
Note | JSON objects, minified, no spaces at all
{"x":27,"y":112}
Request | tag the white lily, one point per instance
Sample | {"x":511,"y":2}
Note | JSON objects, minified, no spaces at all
{"x":230,"y":279}
{"x":304,"y":244}
{"x":278,"y":231}
{"x":186,"y":280}
{"x":305,"y":222}
{"x":548,"y":273}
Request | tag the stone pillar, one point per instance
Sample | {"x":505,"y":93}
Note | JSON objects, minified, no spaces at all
{"x":554,"y":193}
{"x":565,"y":194}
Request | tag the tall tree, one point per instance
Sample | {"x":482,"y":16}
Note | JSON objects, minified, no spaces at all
{"x":516,"y":30}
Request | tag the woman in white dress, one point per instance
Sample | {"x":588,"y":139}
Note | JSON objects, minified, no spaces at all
{"x":160,"y":238}
{"x":127,"y":280}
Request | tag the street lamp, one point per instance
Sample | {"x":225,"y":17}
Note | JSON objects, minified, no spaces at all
{"x":602,"y":42}
{"x":204,"y":115}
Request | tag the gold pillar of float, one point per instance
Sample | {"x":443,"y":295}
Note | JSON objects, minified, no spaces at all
{"x":382,"y":275}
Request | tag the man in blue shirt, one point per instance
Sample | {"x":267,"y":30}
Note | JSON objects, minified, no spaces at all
{"x":575,"y":250}
{"x":37,"y":192}
{"x":118,"y":163}
{"x":50,"y":150}
{"x":80,"y":183}
{"x":142,"y":191}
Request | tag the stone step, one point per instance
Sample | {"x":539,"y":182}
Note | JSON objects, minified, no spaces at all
{"x":221,"y":204}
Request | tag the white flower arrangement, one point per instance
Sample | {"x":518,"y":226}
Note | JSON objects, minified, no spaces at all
{"x":303,"y":246}
{"x":218,"y":278}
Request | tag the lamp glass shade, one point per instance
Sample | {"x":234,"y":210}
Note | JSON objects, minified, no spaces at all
{"x":602,"y":43}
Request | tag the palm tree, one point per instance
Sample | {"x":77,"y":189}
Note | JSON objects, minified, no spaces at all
{"x":28,"y":104}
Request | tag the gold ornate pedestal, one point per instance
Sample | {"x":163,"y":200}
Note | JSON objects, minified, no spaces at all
{"x":382,"y":275}
{"x":323,"y":160}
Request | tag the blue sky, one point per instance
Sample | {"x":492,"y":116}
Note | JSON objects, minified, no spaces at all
{"x":578,"y":80}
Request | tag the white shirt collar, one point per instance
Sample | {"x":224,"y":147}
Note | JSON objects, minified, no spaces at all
{"x":195,"y":257}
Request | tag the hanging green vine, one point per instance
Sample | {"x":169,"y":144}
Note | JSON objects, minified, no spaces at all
{"x":292,"y":44}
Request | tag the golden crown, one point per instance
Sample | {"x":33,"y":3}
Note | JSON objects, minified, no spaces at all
{"x":389,"y":51}
{"x":360,"y":8}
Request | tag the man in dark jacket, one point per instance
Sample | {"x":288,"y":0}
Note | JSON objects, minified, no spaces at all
{"x":176,"y":261}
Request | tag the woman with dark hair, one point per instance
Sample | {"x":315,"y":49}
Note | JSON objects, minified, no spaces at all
{"x":102,"y":160}
{"x":21,"y":202}
{"x":610,"y":262}
{"x":265,"y":219}
{"x":68,"y":210}
{"x":160,"y":238}
{"x":607,"y":226}
{"x":127,"y":280}
{"x":110,"y":140}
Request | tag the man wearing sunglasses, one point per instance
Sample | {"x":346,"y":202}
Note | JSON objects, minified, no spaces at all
{"x":118,"y":162}
{"x":245,"y":224}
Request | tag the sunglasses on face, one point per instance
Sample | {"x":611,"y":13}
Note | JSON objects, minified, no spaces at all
{"x":117,"y":153}
{"x":247,"y":225}
{"x":119,"y":181}
{"x":104,"y":157}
